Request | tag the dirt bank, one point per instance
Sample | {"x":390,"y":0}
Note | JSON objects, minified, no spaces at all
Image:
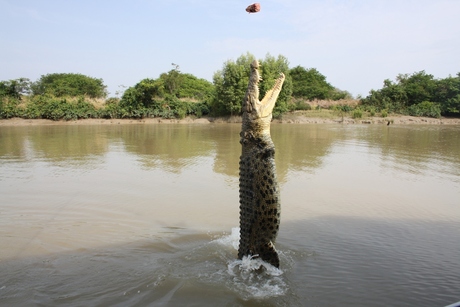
{"x":392,"y":120}
{"x":286,"y":119}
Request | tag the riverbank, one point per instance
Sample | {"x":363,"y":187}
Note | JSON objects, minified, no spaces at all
{"x":292,"y":118}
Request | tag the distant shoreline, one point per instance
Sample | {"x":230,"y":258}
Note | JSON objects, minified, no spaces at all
{"x":286,"y":119}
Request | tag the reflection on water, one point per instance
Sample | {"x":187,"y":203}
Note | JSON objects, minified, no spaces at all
{"x":142,"y":214}
{"x":173,"y":147}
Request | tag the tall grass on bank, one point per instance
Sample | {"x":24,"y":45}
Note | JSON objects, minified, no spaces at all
{"x":49,"y":107}
{"x":74,"y":108}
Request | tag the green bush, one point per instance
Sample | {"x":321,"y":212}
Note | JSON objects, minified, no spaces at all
{"x":148,"y":98}
{"x":58,"y":108}
{"x":409,"y":94}
{"x":9,"y":107}
{"x":69,"y":85}
{"x":357,"y":113}
{"x":371,"y":110}
{"x":111,"y":109}
{"x":138,"y":101}
{"x":175,"y":108}
{"x":302,"y":105}
{"x":342,"y":108}
{"x":425,"y":108}
{"x":199,"y":109}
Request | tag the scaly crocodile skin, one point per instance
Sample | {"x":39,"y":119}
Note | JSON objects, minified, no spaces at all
{"x":259,"y":191}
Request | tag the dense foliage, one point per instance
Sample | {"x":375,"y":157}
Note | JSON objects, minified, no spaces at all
{"x":232,"y":81}
{"x":55,"y":96}
{"x":15,"y":88}
{"x":271,"y":67}
{"x":175,"y":94}
{"x":57,"y":108}
{"x":48,"y":107}
{"x":11,"y":97}
{"x":61,"y":85}
{"x":310,"y":84}
{"x":195,"y":88}
{"x":419,"y":94}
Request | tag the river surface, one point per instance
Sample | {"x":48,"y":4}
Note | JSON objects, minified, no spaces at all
{"x":147,"y":215}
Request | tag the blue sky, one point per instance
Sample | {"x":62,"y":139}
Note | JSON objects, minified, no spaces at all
{"x":356,"y":44}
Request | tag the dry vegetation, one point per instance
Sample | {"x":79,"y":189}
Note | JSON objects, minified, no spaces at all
{"x":326,"y":104}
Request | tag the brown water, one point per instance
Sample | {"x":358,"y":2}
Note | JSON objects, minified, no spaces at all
{"x":147,"y":215}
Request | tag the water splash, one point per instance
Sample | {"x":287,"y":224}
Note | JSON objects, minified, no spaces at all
{"x":252,"y":278}
{"x":231,"y":240}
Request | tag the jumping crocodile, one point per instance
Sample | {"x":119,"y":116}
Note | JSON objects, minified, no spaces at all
{"x":259,"y":191}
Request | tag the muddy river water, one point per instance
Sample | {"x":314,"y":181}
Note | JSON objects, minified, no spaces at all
{"x":147,"y":215}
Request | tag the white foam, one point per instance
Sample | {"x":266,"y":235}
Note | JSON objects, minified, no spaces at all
{"x":252,"y":278}
{"x":253,"y":263}
{"x":255,"y":278}
{"x":231,"y":240}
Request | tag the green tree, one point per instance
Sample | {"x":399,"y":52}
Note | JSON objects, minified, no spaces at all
{"x":418,"y":94}
{"x":232,"y":81}
{"x":310,"y":84}
{"x":391,"y":97}
{"x":271,"y":67}
{"x":63,"y":84}
{"x":230,"y":84}
{"x":15,"y":88}
{"x":137,"y":99}
{"x":154,"y":97}
{"x":11,"y":95}
{"x":195,"y":88}
{"x":448,"y":94}
{"x":419,"y":87}
{"x":172,"y":80}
